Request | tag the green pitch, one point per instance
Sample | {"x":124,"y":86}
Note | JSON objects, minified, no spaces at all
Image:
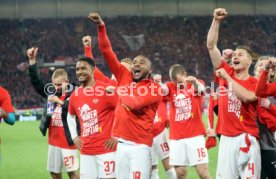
{"x":24,"y":153}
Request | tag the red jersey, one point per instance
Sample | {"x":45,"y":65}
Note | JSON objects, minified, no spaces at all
{"x":56,"y":136}
{"x":272,"y":109}
{"x":161,"y":118}
{"x":236,"y":117}
{"x":267,"y":117}
{"x":185,"y":112}
{"x":95,"y":112}
{"x":134,"y":113}
{"x":263,"y":88}
{"x":5,"y":101}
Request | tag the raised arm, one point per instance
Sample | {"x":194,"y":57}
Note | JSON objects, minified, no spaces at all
{"x":36,"y":81}
{"x":263,"y":88}
{"x":98,"y":75}
{"x":212,"y":38}
{"x":105,"y":46}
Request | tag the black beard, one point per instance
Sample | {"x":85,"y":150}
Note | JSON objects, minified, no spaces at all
{"x":144,"y":76}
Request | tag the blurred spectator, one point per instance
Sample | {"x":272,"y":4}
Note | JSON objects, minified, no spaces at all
{"x":168,"y":40}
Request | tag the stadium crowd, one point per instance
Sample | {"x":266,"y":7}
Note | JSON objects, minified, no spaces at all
{"x":125,"y":125}
{"x":168,"y":40}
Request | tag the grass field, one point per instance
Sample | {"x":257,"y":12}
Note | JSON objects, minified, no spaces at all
{"x":24,"y":153}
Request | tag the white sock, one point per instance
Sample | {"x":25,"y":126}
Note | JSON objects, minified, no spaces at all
{"x":154,"y":174}
{"x":171,"y":173}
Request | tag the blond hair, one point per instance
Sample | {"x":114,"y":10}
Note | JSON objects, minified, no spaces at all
{"x":175,"y":70}
{"x":60,"y":72}
{"x":127,"y":60}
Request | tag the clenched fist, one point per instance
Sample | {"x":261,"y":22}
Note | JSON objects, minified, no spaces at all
{"x":95,"y":17}
{"x":190,"y":79}
{"x":86,"y":40}
{"x":220,"y":13}
{"x":227,"y":54}
{"x":31,"y":53}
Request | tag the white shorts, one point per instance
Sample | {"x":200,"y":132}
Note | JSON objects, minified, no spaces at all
{"x":229,"y":156}
{"x":62,"y":160}
{"x":188,"y":151}
{"x":133,"y":161}
{"x":160,"y":147}
{"x":97,"y":166}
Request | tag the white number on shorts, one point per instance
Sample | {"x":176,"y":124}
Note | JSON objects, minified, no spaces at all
{"x":251,"y":167}
{"x":69,"y":161}
{"x":109,"y":166}
{"x":201,"y":152}
{"x":136,"y":175}
{"x":165,"y":147}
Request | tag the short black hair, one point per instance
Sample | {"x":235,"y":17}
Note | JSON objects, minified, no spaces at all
{"x":88,"y":60}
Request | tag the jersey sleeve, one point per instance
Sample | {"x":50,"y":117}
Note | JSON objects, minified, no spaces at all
{"x":139,"y":101}
{"x":272,"y":109}
{"x":6,"y":101}
{"x":111,"y":59}
{"x":264,"y":89}
{"x":98,"y":75}
{"x":71,"y":109}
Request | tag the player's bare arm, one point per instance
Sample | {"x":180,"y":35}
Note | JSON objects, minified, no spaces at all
{"x":212,"y":38}
{"x":78,"y":142}
{"x":55,"y":99}
{"x":242,"y":93}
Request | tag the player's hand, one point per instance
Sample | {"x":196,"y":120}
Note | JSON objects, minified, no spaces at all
{"x":110,"y":89}
{"x":95,"y":17}
{"x":227,"y":54}
{"x":111,"y":143}
{"x":55,"y":99}
{"x":190,"y":79}
{"x":211,"y":133}
{"x":78,"y":142}
{"x":221,"y":73}
{"x":219,"y":14}
{"x":157,"y":78}
{"x":271,"y":64}
{"x":86,"y":40}
{"x":31,"y":53}
{"x":264,"y":102}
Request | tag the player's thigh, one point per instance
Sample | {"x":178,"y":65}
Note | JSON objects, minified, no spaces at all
{"x":54,"y":161}
{"x":196,"y":151}
{"x":88,"y":167}
{"x":140,"y":162}
{"x":161,"y":146}
{"x":70,"y":158}
{"x":253,"y":165}
{"x":122,"y":168}
{"x":154,"y":158}
{"x":227,"y":158}
{"x":178,"y":153}
{"x":106,"y":163}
